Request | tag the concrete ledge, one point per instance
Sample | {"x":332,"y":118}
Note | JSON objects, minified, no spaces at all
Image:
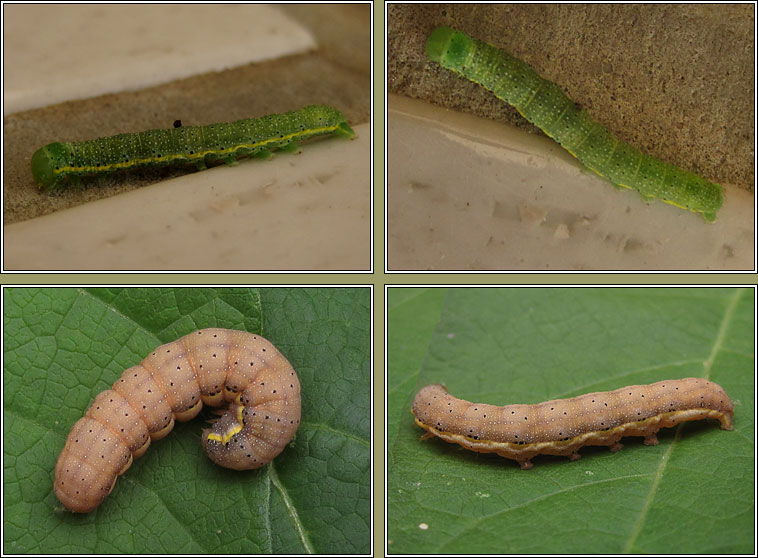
{"x":466,"y":193}
{"x":305,"y":211}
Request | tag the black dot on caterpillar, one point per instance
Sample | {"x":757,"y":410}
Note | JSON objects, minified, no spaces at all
{"x":208,"y":367}
{"x":57,"y":162}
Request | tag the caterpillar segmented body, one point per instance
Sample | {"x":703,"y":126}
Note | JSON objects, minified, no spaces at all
{"x":187,"y":145}
{"x":211,"y":367}
{"x":563,"y":426}
{"x":544,"y":103}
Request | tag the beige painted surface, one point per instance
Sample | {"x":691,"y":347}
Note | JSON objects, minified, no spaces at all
{"x":59,"y":52}
{"x":309,"y":210}
{"x":466,"y":193}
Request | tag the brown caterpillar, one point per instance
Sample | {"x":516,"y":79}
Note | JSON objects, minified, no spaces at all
{"x":209,"y":366}
{"x":562,"y":426}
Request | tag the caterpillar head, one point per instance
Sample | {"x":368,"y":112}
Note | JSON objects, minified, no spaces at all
{"x":260,"y":422}
{"x":449,"y":44}
{"x":46,"y":162}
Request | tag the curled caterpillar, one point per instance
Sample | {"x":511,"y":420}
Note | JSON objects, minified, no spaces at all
{"x":563,"y":426}
{"x":544,"y":104}
{"x":195,"y":145}
{"x":209,"y":366}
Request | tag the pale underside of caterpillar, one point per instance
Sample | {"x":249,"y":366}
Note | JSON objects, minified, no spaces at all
{"x":563,"y":426}
{"x":544,"y":104}
{"x":210,"y":366}
{"x":194,"y":145}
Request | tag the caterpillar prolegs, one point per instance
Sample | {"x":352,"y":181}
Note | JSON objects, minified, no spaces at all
{"x":194,"y":145}
{"x":543,"y":103}
{"x":563,"y":426}
{"x":209,"y":366}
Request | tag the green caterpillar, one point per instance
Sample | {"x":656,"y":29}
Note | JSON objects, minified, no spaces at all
{"x":543,"y":103}
{"x":198,"y":145}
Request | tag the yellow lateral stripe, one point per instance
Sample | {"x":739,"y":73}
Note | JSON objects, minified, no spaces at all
{"x":535,"y":445}
{"x":681,"y":206}
{"x":633,"y":188}
{"x":147,"y":160}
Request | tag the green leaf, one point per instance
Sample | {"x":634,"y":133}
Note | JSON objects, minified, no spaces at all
{"x":693,"y":493}
{"x":63,"y":346}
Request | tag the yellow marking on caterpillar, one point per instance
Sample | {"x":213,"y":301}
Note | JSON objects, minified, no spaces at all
{"x":226,"y":436}
{"x":580,"y":439}
{"x":194,"y":156}
{"x":680,"y":206}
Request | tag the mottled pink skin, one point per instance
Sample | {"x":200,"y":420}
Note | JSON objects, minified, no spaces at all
{"x":209,"y":366}
{"x":562,"y":426}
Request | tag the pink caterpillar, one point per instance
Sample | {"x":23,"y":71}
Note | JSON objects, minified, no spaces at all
{"x":563,"y":426}
{"x":211,"y":367}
